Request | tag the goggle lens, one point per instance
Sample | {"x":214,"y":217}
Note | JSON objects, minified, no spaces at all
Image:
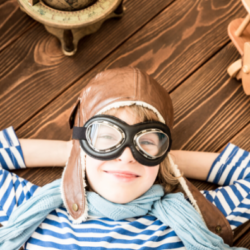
{"x":154,"y":144}
{"x":102,"y":136}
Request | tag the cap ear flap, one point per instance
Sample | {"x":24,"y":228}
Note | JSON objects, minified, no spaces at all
{"x":73,"y":113}
{"x":73,"y":179}
{"x":73,"y":191}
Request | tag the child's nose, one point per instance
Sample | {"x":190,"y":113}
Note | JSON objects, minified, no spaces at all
{"x":126,"y":156}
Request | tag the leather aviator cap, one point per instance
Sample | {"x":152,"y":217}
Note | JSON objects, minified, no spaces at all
{"x":115,"y":88}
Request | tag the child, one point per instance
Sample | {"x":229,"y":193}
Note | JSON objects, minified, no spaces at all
{"x":120,"y":153}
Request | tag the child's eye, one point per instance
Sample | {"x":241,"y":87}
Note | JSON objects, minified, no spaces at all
{"x":107,"y":137}
{"x":146,"y":143}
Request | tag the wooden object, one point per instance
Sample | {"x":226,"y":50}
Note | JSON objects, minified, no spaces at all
{"x":32,"y":2}
{"x":242,"y":26}
{"x":235,"y":68}
{"x":71,"y":26}
{"x":238,"y":41}
{"x":246,"y":68}
{"x":239,"y":33}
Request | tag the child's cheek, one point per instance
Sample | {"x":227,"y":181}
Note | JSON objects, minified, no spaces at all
{"x":93,"y":175}
{"x":151,"y":173}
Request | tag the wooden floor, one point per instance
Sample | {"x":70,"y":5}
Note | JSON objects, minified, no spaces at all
{"x":182,"y":43}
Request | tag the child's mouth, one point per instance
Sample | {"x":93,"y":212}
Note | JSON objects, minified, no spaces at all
{"x":123,"y":175}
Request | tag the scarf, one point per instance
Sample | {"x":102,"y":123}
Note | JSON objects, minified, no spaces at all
{"x":172,"y":209}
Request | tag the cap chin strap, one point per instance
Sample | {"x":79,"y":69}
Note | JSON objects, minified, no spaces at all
{"x":183,"y":183}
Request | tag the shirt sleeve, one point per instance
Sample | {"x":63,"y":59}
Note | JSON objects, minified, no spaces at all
{"x":11,"y":155}
{"x":14,"y":190}
{"x":231,"y":170}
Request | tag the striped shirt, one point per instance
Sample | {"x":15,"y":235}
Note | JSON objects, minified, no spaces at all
{"x":231,"y":170}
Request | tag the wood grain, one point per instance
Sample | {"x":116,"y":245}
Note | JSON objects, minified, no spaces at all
{"x":179,"y":40}
{"x":13,"y":22}
{"x":38,"y":72}
{"x":242,"y":235}
{"x":34,"y":71}
{"x":34,"y":174}
{"x":210,"y":108}
{"x":242,"y":139}
{"x":244,"y":240}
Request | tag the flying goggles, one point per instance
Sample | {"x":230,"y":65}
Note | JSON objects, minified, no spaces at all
{"x":105,"y":137}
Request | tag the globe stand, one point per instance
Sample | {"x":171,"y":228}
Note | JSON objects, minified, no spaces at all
{"x":71,"y":26}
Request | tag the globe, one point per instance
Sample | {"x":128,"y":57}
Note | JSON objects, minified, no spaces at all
{"x":69,"y":5}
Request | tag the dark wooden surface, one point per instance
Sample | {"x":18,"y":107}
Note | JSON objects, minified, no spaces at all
{"x":183,"y":44}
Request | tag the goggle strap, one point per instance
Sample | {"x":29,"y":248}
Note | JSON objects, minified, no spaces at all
{"x":79,"y":133}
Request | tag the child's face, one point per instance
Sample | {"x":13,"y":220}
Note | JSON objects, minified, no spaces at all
{"x":123,"y":179}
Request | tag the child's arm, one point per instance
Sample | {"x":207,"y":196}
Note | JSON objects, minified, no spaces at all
{"x":231,"y":170}
{"x":48,"y":153}
{"x":45,"y":153}
{"x":195,"y":165}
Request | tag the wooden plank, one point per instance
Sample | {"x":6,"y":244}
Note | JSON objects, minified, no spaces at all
{"x":38,"y":72}
{"x":179,"y":40}
{"x":13,"y":22}
{"x":242,"y":139}
{"x":34,"y":71}
{"x":215,"y":127}
{"x":34,"y":174}
{"x":242,"y":235}
{"x":210,"y":108}
{"x":244,"y":240}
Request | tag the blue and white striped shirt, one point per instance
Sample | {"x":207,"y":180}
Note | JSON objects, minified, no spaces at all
{"x":231,"y":169}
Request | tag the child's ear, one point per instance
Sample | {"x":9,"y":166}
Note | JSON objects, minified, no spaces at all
{"x":73,"y":113}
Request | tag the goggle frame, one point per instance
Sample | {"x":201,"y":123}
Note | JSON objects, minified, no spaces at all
{"x":80,"y":133}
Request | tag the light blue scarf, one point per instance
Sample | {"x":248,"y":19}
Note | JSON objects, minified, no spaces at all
{"x":171,"y":209}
